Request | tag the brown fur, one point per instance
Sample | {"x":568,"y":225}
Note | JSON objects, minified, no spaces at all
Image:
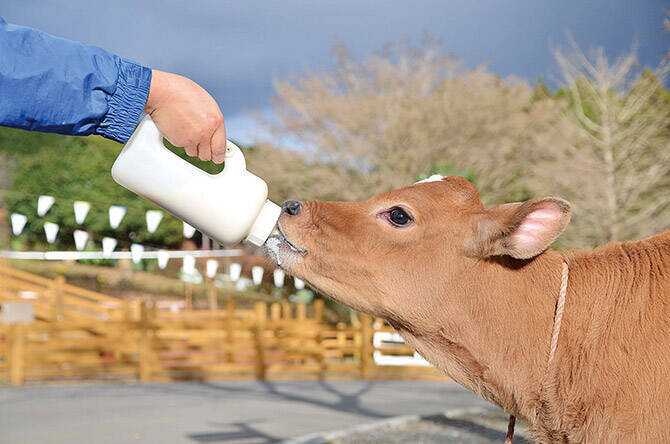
{"x":450,"y":286}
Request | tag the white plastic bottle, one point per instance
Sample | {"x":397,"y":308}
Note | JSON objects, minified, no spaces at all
{"x":229,"y":207}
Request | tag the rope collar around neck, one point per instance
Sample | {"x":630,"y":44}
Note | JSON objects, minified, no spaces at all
{"x":558,"y":318}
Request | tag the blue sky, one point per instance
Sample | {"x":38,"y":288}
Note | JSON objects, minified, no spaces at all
{"x":235,"y":49}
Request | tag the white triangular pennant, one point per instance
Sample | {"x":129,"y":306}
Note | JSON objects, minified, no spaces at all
{"x":44,"y":204}
{"x":81,"y":211}
{"x":257,"y":274}
{"x":80,"y":239}
{"x":51,"y":231}
{"x":212,"y":266}
{"x":154,"y":218}
{"x":108,"y":246}
{"x":136,"y":252}
{"x":242,"y":284}
{"x":278,"y":276}
{"x":189,"y":231}
{"x":116,"y":214}
{"x":18,"y":223}
{"x":298,"y":283}
{"x":188,"y":266}
{"x":163,"y":258}
{"x":235,"y":271}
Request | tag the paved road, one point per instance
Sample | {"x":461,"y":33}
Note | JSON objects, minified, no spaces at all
{"x":192,"y":412}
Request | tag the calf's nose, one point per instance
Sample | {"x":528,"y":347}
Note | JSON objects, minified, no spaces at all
{"x":291,"y":207}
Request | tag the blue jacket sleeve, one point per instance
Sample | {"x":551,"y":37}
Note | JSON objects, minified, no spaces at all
{"x":56,"y":85}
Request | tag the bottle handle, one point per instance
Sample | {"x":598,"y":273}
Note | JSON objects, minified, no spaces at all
{"x":234,"y":158}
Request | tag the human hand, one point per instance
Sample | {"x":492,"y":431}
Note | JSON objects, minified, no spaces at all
{"x":187,"y":116}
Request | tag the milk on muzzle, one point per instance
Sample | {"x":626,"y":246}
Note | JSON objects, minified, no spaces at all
{"x":229,"y":207}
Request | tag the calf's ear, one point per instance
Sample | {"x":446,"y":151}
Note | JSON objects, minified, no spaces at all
{"x":521,"y":230}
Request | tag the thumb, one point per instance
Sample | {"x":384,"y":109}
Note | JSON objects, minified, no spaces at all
{"x":218,"y":144}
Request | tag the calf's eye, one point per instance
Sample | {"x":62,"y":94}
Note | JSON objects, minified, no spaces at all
{"x":399,"y":217}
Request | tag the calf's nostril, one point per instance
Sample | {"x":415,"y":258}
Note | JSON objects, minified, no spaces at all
{"x":291,"y":207}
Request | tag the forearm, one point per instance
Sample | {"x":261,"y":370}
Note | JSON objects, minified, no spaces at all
{"x":56,"y":85}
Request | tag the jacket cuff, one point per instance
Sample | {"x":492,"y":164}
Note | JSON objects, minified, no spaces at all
{"x":125,"y":105}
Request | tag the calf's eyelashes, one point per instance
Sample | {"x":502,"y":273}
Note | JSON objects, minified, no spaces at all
{"x":397,"y":216}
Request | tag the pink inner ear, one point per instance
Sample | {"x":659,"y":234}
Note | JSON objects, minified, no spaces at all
{"x":532,"y":232}
{"x":544,"y":213}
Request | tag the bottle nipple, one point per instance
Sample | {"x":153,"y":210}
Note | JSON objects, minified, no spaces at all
{"x":265,"y":224}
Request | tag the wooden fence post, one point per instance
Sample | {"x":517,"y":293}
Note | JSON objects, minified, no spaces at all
{"x":341,"y":339}
{"x":230,"y":327}
{"x":286,"y":310}
{"x":144,"y":344}
{"x":16,"y":354}
{"x":127,"y":314}
{"x":261,"y":314}
{"x":318,"y":316}
{"x":188,"y":295}
{"x":275,"y":311}
{"x":58,"y":291}
{"x":318,"y":310}
{"x":301,"y":311}
{"x":212,"y":295}
{"x":153,"y":312}
{"x":366,"y":345}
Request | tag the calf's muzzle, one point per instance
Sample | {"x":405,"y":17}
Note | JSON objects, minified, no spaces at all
{"x":291,"y":207}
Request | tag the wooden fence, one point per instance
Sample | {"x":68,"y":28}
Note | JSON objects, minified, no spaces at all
{"x":56,"y":300}
{"x":280,"y":342}
{"x":81,"y":334}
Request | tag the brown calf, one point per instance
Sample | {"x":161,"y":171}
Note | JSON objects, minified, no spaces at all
{"x":474,"y":291}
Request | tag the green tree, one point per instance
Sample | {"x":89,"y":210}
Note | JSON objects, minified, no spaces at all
{"x":616,"y":168}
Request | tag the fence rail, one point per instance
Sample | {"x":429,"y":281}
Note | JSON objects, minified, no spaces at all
{"x":56,"y":300}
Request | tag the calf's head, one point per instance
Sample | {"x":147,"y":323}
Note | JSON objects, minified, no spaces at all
{"x":408,"y":250}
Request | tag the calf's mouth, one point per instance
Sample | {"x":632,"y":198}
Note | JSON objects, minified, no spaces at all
{"x":280,"y":249}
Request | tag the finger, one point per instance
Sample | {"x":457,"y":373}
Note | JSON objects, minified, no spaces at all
{"x":191,"y":150}
{"x":204,"y":150}
{"x":218,"y":144}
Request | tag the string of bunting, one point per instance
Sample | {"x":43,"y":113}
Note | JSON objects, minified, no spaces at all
{"x":81,"y":237}
{"x":116,"y":214}
{"x":81,"y":209}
